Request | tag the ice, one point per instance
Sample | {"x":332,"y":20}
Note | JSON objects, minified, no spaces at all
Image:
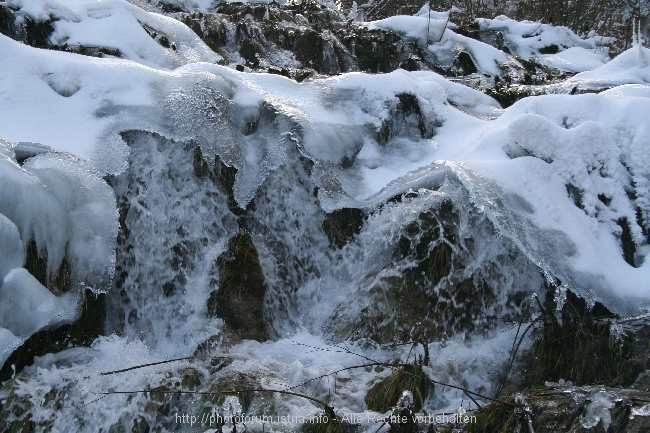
{"x":89,"y":204}
{"x":26,"y":306}
{"x":34,"y":211}
{"x":13,"y":252}
{"x":598,"y":410}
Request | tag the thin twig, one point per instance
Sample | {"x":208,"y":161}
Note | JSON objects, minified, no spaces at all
{"x":135,"y":367}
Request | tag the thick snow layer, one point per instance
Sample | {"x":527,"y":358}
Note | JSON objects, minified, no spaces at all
{"x":630,"y":67}
{"x":529,"y":39}
{"x":575,"y":59}
{"x":444,"y":42}
{"x":92,"y":23}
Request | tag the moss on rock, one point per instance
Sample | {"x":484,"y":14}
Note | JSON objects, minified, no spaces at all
{"x":239,"y":301}
{"x":385,"y":394}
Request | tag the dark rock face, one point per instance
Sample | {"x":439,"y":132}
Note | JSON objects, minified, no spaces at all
{"x":342,"y":224}
{"x":465,"y":63}
{"x":318,"y":39}
{"x":239,"y":301}
{"x":59,"y":281}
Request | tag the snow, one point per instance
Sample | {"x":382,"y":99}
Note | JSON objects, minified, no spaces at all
{"x":92,"y":23}
{"x":527,"y":38}
{"x":12,"y":247}
{"x":630,"y":67}
{"x":444,"y":42}
{"x":335,"y":116}
{"x":575,"y":59}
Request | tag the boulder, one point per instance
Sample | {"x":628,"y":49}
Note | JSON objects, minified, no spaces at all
{"x":239,"y":300}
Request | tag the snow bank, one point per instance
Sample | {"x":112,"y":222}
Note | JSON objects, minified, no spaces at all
{"x":575,"y":59}
{"x":91,"y":23}
{"x":529,"y":39}
{"x":444,"y":42}
{"x":630,"y":67}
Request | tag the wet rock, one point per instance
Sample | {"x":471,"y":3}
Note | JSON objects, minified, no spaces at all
{"x":140,"y":425}
{"x":342,"y":225}
{"x":568,"y":409}
{"x":465,"y":64}
{"x":435,"y":288}
{"x":190,"y":378}
{"x":239,"y":301}
{"x":57,"y":281}
{"x":240,"y":385}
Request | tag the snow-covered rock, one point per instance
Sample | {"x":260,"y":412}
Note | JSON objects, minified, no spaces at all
{"x":145,"y":37}
{"x":556,"y":46}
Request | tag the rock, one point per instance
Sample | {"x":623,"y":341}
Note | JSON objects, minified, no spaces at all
{"x":342,"y":225}
{"x":550,"y":49}
{"x":7,"y":21}
{"x":190,"y":378}
{"x":240,"y":385}
{"x":465,"y":64}
{"x":569,"y":409}
{"x":222,"y":174}
{"x":59,"y":281}
{"x":406,"y":119}
{"x":239,"y":301}
{"x":140,"y":425}
{"x":386,"y":393}
{"x":446,"y":277}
